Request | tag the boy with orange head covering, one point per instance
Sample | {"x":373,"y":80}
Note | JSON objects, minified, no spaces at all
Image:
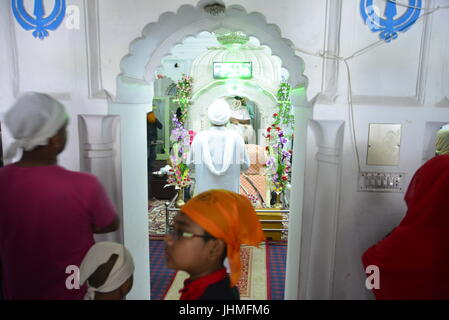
{"x":209,"y":228}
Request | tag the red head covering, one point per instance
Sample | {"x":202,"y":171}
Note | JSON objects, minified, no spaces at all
{"x":229,"y":216}
{"x":413,"y":260}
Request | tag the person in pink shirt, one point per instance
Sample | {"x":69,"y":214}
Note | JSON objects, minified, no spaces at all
{"x":48,"y":215}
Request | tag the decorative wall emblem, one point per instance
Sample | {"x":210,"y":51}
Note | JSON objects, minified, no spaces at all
{"x":39,"y":22}
{"x":388,"y":25}
{"x":215,"y":9}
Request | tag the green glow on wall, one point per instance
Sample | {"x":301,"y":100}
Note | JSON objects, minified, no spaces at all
{"x":226,"y":70}
{"x":236,"y":84}
{"x":299,"y":90}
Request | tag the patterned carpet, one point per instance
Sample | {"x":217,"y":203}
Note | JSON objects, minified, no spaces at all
{"x":276,"y":262}
{"x":156,"y":217}
{"x":160,"y":275}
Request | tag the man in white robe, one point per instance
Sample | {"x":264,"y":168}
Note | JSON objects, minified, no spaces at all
{"x":218,"y":154}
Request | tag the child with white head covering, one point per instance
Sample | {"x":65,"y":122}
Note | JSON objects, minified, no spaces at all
{"x":108,"y":269}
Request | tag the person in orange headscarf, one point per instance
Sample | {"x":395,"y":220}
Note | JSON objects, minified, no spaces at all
{"x":413,"y":260}
{"x":209,"y":228}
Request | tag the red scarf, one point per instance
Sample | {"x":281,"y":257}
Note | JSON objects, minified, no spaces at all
{"x":413,"y":260}
{"x":193,"y":290}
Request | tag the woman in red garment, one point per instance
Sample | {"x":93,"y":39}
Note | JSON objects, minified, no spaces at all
{"x":413,"y":260}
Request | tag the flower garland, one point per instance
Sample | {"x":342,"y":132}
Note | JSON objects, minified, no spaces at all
{"x":180,"y":137}
{"x":279,"y":154}
{"x":183,"y":95}
{"x":179,"y":174}
{"x":279,"y":158}
{"x":285,"y":105}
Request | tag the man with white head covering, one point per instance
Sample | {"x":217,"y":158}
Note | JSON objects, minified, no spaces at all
{"x":107,"y":269}
{"x":34,"y":119}
{"x":47,"y":214}
{"x":218,"y":154}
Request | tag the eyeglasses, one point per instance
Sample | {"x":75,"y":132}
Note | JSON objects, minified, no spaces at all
{"x":178,"y":234}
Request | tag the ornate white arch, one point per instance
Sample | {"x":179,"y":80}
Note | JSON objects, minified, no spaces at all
{"x":158,"y":38}
{"x":134,"y":97}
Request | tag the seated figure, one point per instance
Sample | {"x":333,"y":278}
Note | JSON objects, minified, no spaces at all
{"x":253,"y":183}
{"x":241,"y":120}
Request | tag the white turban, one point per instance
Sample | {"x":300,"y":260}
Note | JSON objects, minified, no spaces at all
{"x":219,"y":112}
{"x":99,"y":254}
{"x":32,"y":120}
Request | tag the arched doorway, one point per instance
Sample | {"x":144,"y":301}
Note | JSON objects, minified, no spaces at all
{"x":134,"y":99}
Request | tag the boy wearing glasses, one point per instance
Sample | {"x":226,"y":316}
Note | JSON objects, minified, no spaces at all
{"x":209,"y":228}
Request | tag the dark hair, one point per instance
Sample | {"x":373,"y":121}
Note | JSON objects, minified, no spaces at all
{"x":208,"y":236}
{"x":99,"y":277}
{"x":178,"y":113}
{"x":243,"y":100}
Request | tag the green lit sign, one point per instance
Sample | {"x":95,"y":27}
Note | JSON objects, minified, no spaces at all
{"x":226,"y":70}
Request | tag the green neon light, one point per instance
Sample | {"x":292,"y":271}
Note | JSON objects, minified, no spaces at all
{"x":226,"y":70}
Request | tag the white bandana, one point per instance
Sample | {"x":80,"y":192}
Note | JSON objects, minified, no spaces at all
{"x":99,"y":254}
{"x":32,"y":120}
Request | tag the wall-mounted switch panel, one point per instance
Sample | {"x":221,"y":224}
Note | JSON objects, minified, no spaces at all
{"x":381,"y":182}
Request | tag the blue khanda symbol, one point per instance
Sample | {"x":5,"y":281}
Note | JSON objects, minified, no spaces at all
{"x":39,"y":23}
{"x":389,"y":26}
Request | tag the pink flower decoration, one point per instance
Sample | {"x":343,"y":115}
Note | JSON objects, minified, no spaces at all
{"x":192,"y":135}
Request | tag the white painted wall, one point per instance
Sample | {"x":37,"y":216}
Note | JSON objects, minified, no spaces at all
{"x":56,"y":65}
{"x":404,"y":82}
{"x":405,"y":77}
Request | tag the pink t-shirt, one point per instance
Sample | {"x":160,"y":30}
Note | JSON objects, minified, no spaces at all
{"x":47,"y":216}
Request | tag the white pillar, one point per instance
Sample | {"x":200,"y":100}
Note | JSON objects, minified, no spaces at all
{"x":135,"y":192}
{"x":100,"y":155}
{"x":303,"y":112}
{"x":9,"y":73}
{"x":319,"y":271}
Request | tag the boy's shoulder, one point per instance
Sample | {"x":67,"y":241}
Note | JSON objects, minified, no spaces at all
{"x":221,"y":290}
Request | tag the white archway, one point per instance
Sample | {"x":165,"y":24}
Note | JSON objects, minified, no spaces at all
{"x":134,"y":99}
